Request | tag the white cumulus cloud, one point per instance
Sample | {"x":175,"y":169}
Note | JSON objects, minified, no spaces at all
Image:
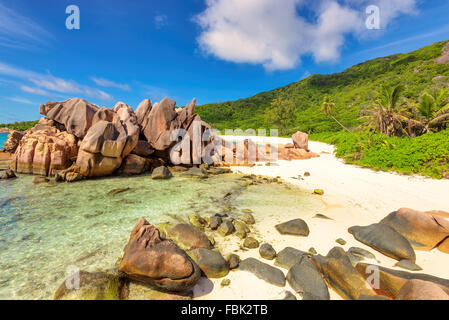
{"x":277,"y":33}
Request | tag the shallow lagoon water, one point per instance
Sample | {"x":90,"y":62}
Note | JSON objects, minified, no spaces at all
{"x":3,"y":138}
{"x":46,"y":228}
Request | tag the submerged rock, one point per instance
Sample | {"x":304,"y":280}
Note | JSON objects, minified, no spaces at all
{"x":141,"y":291}
{"x":297,"y":227}
{"x":248,"y":218}
{"x":92,"y":286}
{"x":384,"y":239}
{"x":194,"y":172}
{"x":233,"y":261}
{"x":210,"y":262}
{"x":158,"y":262}
{"x":263,"y":271}
{"x":215,"y":222}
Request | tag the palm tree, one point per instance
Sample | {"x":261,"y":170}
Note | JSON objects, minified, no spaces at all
{"x":328,"y":107}
{"x":431,"y":113}
{"x":387,"y":115}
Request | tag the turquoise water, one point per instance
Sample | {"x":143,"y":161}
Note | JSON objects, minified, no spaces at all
{"x":3,"y":138}
{"x":45,"y":228}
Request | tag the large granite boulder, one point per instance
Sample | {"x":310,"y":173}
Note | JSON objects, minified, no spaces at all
{"x":159,"y":124}
{"x":75,"y":114}
{"x":158,"y":262}
{"x":301,"y":140}
{"x":43,"y":150}
{"x":112,"y":137}
{"x":305,"y":279}
{"x":134,"y":164}
{"x":384,"y":239}
{"x":263,"y":271}
{"x":424,"y":231}
{"x":421,"y":290}
{"x":390,"y":282}
{"x":289,"y":256}
{"x":341,"y":275}
{"x":13,"y":141}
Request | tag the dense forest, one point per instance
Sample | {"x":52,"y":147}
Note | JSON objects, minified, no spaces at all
{"x":351,"y":90}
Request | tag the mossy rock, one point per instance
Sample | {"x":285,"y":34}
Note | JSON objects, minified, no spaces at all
{"x":163,"y":228}
{"x":225,"y":282}
{"x":319,"y":192}
{"x":92,"y":286}
{"x":197,"y":221}
{"x":140,"y":291}
{"x":251,"y":243}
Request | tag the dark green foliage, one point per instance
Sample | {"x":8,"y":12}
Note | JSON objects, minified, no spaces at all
{"x":20,"y":126}
{"x":426,"y":155}
{"x":351,"y":89}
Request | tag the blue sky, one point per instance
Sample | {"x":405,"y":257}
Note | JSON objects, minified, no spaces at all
{"x":214,"y":50}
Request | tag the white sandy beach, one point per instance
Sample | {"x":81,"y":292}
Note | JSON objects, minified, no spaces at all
{"x":353,"y":196}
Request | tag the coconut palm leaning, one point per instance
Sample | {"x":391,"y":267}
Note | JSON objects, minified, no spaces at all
{"x":430,"y":114}
{"x":387,"y":115}
{"x":328,"y":106}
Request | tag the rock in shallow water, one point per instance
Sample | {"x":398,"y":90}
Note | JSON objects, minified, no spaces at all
{"x":233,"y":261}
{"x":384,"y":239}
{"x":226,"y":228}
{"x":161,"y":173}
{"x":251,"y":243}
{"x":92,"y":286}
{"x":297,"y":227}
{"x":263,"y":271}
{"x":158,"y":262}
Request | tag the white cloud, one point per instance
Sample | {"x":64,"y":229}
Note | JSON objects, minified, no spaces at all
{"x":18,"y":31}
{"x":21,"y":100}
{"x":49,"y":82}
{"x":108,"y":83}
{"x":160,"y":21}
{"x":35,"y":91}
{"x":273,"y":32}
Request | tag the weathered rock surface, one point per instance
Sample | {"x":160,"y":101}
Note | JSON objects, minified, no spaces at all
{"x":43,"y":150}
{"x":92,"y":286}
{"x":143,"y":149}
{"x":305,"y":279}
{"x":13,"y":141}
{"x":226,"y":228}
{"x":407,"y":264}
{"x":427,"y":230}
{"x":266,"y":251}
{"x":158,"y":262}
{"x":384,"y":239}
{"x":113,"y":135}
{"x":214,"y":222}
{"x":301,"y":140}
{"x":339,"y":273}
{"x":251,"y":243}
{"x":161,"y":173}
{"x":421,"y":290}
{"x":7,"y":174}
{"x":288,"y":257}
{"x":141,"y":291}
{"x":188,"y":237}
{"x":391,"y":281}
{"x":134,"y":164}
{"x":210,"y":262}
{"x":297,"y":227}
{"x":263,"y":271}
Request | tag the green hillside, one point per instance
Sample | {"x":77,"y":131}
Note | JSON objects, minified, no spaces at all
{"x":352,"y":89}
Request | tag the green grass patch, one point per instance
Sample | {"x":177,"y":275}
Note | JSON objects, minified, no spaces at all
{"x":426,"y":155}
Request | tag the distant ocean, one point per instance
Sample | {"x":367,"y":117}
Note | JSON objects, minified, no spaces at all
{"x":3,"y":138}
